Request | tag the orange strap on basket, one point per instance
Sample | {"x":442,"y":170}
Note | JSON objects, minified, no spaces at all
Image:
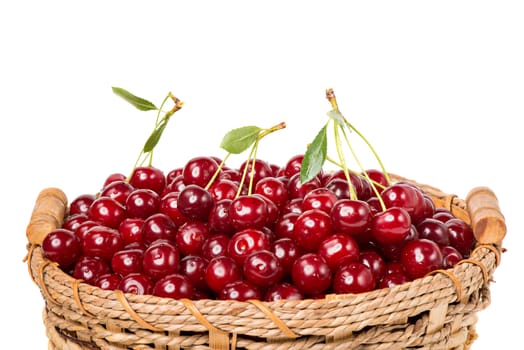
{"x":490,"y":247}
{"x":453,"y":278}
{"x":277,"y":321}
{"x":485,"y":275}
{"x":43,"y":286}
{"x":218,"y":339}
{"x":76,"y":297}
{"x":125,"y":304}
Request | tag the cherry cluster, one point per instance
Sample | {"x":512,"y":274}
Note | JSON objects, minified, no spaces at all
{"x":202,"y":231}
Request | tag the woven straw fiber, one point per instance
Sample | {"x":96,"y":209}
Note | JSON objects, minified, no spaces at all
{"x":438,"y":311}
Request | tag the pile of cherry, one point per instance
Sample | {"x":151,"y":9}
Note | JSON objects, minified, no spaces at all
{"x":195,"y":233}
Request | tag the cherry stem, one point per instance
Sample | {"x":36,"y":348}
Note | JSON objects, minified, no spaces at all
{"x":334,"y":162}
{"x":252,"y":157}
{"x":381,"y":201}
{"x":217,"y":172}
{"x":338,"y":144}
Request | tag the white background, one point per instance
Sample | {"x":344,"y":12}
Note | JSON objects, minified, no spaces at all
{"x":436,"y":86}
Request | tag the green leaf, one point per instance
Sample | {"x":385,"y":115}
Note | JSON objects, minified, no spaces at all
{"x":154,"y":138}
{"x":136,"y":101}
{"x":314,"y":157}
{"x":336,"y":116}
{"x":238,"y":140}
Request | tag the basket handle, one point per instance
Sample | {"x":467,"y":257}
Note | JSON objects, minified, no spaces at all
{"x":48,"y":214}
{"x":487,"y":221}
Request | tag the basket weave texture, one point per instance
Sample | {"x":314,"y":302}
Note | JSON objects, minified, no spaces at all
{"x":438,"y":311}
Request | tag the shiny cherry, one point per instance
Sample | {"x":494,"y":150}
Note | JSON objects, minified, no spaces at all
{"x":89,"y":268}
{"x":350,"y":216}
{"x":127,"y":261}
{"x":434,"y":230}
{"x":131,"y":230}
{"x":107,"y":211}
{"x":215,"y":245}
{"x":141,"y":203}
{"x":195,"y":203}
{"x":246,"y":242}
{"x":81,"y":204}
{"x":63,"y":247}
{"x":169,"y":206}
{"x":199,"y":171}
{"x":136,"y":283}
{"x":283,"y":291}
{"x":161,"y":259}
{"x":118,"y":190}
{"x":194,"y":267}
{"x":263,"y":268}
{"x":337,"y":249}
{"x":191,"y":236}
{"x":461,"y":236}
{"x":240,"y":291}
{"x":220,"y":271}
{"x":391,"y":226}
{"x":311,"y":228}
{"x":108,"y":281}
{"x":248,"y":212}
{"x":102,"y":241}
{"x":287,"y":251}
{"x":311,"y":274}
{"x":353,"y":277}
{"x":174,"y":286}
{"x":158,"y":226}
{"x":148,"y":177}
{"x":421,"y":256}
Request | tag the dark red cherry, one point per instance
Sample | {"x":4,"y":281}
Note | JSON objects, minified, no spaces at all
{"x":320,"y":198}
{"x":421,"y":256}
{"x":118,"y":190}
{"x":136,"y":283}
{"x":82,"y":229}
{"x":223,"y":189}
{"x":102,"y":241}
{"x":174,"y":286}
{"x":218,"y":220}
{"x":405,"y":196}
{"x":240,"y":291}
{"x":283,"y":291}
{"x":297,"y":189}
{"x":434,"y":230}
{"x":191,"y":236}
{"x":374,"y":262}
{"x":393,"y":279}
{"x":262,"y":169}
{"x":461,"y":236}
{"x":285,"y":225}
{"x":161,"y":259}
{"x":194,"y":267}
{"x":89,"y":268}
{"x":72,"y":222}
{"x":141,"y":203}
{"x":287,"y":251}
{"x":158,"y":226}
{"x":114,"y":177}
{"x":293,"y":165}
{"x":195,"y":203}
{"x":81,"y":204}
{"x":263,"y":268}
{"x":63,"y":247}
{"x":450,"y":256}
{"x":127,"y":261}
{"x":220,"y":271}
{"x":108,"y":281}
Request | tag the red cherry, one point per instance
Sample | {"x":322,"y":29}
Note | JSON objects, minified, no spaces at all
{"x":81,"y":204}
{"x":320,"y":198}
{"x":297,"y":189}
{"x":391,"y":226}
{"x":287,"y":251}
{"x":63,"y":247}
{"x":82,"y":229}
{"x":103,"y":242}
{"x":131,"y":230}
{"x":114,"y":177}
{"x":351,"y":217}
{"x":262,"y":169}
{"x":353,"y":278}
{"x":136,"y":283}
{"x":107,"y":211}
{"x":118,"y":190}
{"x":148,"y":177}
{"x":434,"y":230}
{"x":311,"y":274}
{"x":127,"y":261}
{"x":246,"y":242}
{"x":89,"y":268}
{"x":263,"y":268}
{"x":199,"y":171}
{"x":218,"y":220}
{"x":161,"y":259}
{"x":141,"y":203}
{"x":169,"y":206}
{"x":461,"y":236}
{"x":285,"y":225}
{"x":374,"y":262}
{"x":293,"y":165}
{"x":248,"y":212}
{"x":393,"y":279}
{"x":405,"y":196}
{"x":72,"y":222}
{"x":194,"y":268}
{"x":195,"y":203}
{"x":191,"y":236}
{"x":283,"y":291}
{"x":240,"y":291}
{"x":158,"y":226}
{"x":450,"y":256}
{"x":108,"y":281}
{"x":214,"y":246}
{"x":223,"y":189}
{"x":311,"y":228}
{"x":338,"y":249}
{"x":174,"y":286}
{"x":220,"y":271}
{"x":274,"y":189}
{"x":421,"y":256}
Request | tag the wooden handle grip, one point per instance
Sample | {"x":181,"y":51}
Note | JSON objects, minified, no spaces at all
{"x":487,"y":222}
{"x":48,"y":214}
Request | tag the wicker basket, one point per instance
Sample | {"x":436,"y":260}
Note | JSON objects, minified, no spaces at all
{"x":438,"y":311}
